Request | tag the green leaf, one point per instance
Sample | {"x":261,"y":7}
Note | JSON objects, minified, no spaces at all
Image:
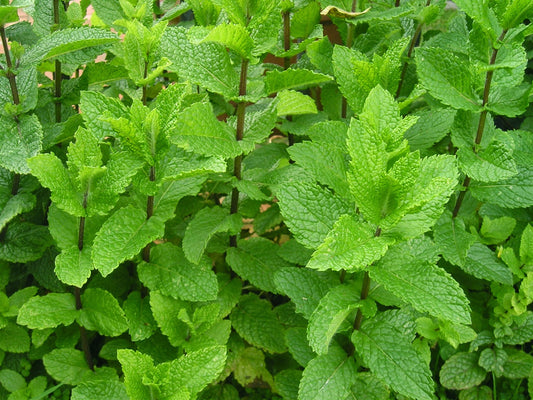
{"x":94,"y":107}
{"x":256,"y":261}
{"x":204,"y":64}
{"x":17,"y":204}
{"x":65,"y":41}
{"x":493,"y":360}
{"x":391,"y":357}
{"x":329,"y":315}
{"x":67,"y":366}
{"x":328,"y":376}
{"x":367,"y":387}
{"x":526,"y":245}
{"x":427,"y":287}
{"x":51,"y":173}
{"x":12,"y":380}
{"x":254,"y":320}
{"x":447,"y":77}
{"x":482,"y":263}
{"x":304,"y":20}
{"x":482,"y":13}
{"x":518,"y":364}
{"x":234,"y":37}
{"x":513,"y":192}
{"x":510,"y":101}
{"x":196,"y":128}
{"x":277,"y":81}
{"x":326,"y":162}
{"x":431,"y":127}
{"x":73,"y":266}
{"x":205,"y":224}
{"x":461,"y":371}
{"x":135,"y":365}
{"x":24,"y":242}
{"x":452,"y":238}
{"x":166,"y":311}
{"x":259,"y":121}
{"x":14,"y":339}
{"x":8,"y":14}
{"x":296,"y":339}
{"x":141,"y":323}
{"x":122,"y":236}
{"x":515,"y":13}
{"x":100,"y":390}
{"x":48,"y":311}
{"x":101,"y":312}
{"x":291,"y":102}
{"x":19,"y":140}
{"x":351,"y":245}
{"x":304,"y":287}
{"x":310,"y":211}
{"x":287,"y":381}
{"x":488,"y":165}
{"x":197,"y":369}
{"x":250,"y":367}
{"x":495,"y":231}
{"x":27,"y":88}
{"x":173,"y":275}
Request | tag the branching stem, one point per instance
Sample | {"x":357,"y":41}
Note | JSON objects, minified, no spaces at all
{"x":482,"y":121}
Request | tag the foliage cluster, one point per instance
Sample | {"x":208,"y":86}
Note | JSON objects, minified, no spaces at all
{"x":266,"y":199}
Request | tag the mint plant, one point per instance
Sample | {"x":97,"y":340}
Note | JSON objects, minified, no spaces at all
{"x":223,"y":200}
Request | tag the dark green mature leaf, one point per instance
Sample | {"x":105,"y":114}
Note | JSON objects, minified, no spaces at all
{"x":14,"y":339}
{"x":24,"y":242}
{"x":67,"y":366}
{"x":447,"y":77}
{"x":196,"y":370}
{"x":19,"y":140}
{"x":255,"y":321}
{"x":326,"y":162}
{"x":351,"y":245}
{"x":296,"y":340}
{"x":167,"y":312}
{"x":453,"y":239}
{"x":73,"y":266}
{"x":304,"y":287}
{"x":100,"y":390}
{"x":122,"y":236}
{"x":330,"y":313}
{"x":172,"y":274}
{"x":491,"y":164}
{"x":255,"y":260}
{"x":276,"y":81}
{"x":48,"y":311}
{"x":516,"y":12}
{"x":310,"y":211}
{"x":27,"y":88}
{"x":18,"y":204}
{"x":367,"y":387}
{"x":291,"y":102}
{"x":432,"y":126}
{"x":95,"y":108}
{"x":204,"y":64}
{"x":482,"y":263}
{"x":461,"y":371}
{"x":135,"y":365}
{"x":328,"y":376}
{"x":205,"y":224}
{"x":65,"y":41}
{"x":427,"y":287}
{"x":141,"y":323}
{"x":50,"y":171}
{"x":391,"y":357}
{"x":101,"y":312}
{"x":196,"y":128}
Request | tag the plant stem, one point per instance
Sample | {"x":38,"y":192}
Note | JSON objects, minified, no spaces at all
{"x":397,"y":3}
{"x":83,"y":332}
{"x":414,"y":41}
{"x":287,"y":60}
{"x":14,"y":92}
{"x":481,"y":124}
{"x":57,"y":72}
{"x":77,"y":291}
{"x":350,"y":35}
{"x":364,"y":291}
{"x":241,"y":109}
